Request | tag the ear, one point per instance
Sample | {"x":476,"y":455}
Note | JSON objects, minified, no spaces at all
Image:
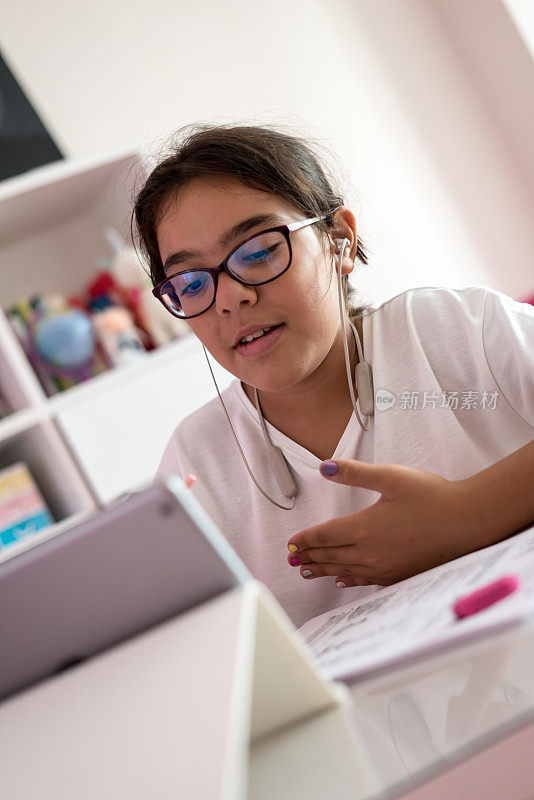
{"x":345,"y":228}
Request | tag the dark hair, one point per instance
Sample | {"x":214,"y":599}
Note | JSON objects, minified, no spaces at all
{"x":261,"y":158}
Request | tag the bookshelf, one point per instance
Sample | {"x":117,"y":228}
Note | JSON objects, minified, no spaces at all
{"x":105,"y":436}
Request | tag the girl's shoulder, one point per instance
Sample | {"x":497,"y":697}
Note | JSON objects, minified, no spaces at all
{"x":437,"y":321}
{"x":208,"y":417}
{"x":431,"y":301}
{"x":200,"y":437}
{"x":432,"y":314}
{"x":477,"y":310}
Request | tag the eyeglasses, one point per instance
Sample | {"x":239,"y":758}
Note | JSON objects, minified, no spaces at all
{"x":260,"y":259}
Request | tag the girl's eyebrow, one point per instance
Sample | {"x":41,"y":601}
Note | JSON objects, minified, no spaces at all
{"x":237,"y":230}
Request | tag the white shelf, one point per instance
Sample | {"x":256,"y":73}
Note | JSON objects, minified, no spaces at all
{"x":20,"y":421}
{"x":112,"y":380}
{"x":118,"y":429}
{"x":18,"y":382}
{"x":43,"y":535}
{"x":105,"y":436}
{"x":52,"y":223}
{"x":42,"y":448}
{"x":162,"y":357}
{"x":44,"y":198}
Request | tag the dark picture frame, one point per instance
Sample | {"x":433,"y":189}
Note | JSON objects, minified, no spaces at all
{"x":24,"y":141}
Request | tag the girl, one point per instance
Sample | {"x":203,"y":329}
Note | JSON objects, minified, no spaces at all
{"x":246,"y":239}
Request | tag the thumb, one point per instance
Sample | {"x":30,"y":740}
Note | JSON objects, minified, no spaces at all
{"x":377,"y":477}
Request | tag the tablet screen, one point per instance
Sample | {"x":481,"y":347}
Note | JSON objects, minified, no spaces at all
{"x":117,"y":573}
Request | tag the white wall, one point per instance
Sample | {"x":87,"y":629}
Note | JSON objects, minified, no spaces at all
{"x":110,"y":72}
{"x":522,"y":12}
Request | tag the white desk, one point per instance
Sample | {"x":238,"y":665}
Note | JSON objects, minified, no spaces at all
{"x":219,"y":702}
{"x":146,"y":720}
{"x":460,"y":724}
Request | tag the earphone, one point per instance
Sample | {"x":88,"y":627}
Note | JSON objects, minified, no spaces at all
{"x":364,"y":383}
{"x":363,"y":375}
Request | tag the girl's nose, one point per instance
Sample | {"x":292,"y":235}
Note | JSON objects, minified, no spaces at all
{"x":231,"y":294}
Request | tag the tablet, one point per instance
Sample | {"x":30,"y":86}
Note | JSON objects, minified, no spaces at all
{"x":107,"y":578}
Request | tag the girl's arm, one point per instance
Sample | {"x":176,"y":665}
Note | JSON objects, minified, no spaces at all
{"x":500,"y":500}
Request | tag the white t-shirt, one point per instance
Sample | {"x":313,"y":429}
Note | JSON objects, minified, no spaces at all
{"x":424,"y":345}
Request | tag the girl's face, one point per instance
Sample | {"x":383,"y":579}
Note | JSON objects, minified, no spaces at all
{"x":301,"y":305}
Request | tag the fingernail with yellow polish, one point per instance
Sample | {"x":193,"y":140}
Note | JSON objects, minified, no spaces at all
{"x":292,"y":548}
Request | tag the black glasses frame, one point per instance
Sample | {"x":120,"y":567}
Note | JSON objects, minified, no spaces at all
{"x":223,"y":266}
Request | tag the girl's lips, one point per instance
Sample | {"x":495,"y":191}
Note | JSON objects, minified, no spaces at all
{"x":259,"y":346}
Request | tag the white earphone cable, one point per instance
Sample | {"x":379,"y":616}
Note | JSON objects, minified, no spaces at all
{"x":274,"y":502}
{"x":268,"y":443}
{"x":365,"y":427}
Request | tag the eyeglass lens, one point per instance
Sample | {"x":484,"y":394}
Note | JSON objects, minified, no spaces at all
{"x":258,"y":260}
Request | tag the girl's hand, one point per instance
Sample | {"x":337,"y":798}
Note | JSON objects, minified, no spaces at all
{"x":421,"y":520}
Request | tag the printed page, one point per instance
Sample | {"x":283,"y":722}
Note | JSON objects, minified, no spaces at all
{"x":415,"y":616}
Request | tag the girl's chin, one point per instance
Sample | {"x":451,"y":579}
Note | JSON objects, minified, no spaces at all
{"x":277,"y":383}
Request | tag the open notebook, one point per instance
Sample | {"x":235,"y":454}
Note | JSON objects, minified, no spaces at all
{"x":398,"y":623}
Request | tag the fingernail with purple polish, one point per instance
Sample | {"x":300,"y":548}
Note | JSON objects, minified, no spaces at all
{"x":295,"y":562}
{"x":329,"y":468}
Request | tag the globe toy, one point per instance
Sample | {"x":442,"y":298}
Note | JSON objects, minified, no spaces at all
{"x":66,"y":340}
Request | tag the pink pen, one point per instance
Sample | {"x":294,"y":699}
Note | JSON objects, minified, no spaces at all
{"x":486,"y":596}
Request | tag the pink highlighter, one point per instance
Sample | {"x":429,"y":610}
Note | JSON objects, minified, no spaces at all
{"x":486,"y":596}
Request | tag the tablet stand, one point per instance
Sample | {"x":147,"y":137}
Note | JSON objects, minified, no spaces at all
{"x":223,"y":701}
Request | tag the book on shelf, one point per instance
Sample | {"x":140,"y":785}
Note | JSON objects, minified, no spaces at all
{"x":23,"y":510}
